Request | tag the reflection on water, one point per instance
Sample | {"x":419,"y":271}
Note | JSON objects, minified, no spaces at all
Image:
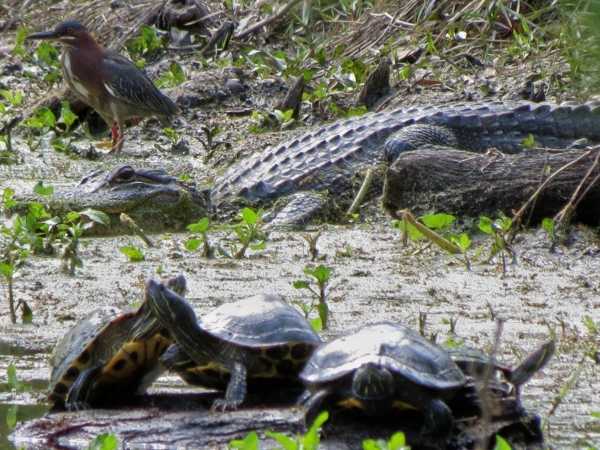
{"x":24,"y":412}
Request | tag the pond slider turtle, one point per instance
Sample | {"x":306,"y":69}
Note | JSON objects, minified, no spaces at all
{"x":260,"y":337}
{"x":110,"y":354}
{"x":382,"y":367}
{"x":474,"y":363}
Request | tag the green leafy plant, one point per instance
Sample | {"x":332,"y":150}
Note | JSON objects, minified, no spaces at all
{"x":70,"y":231}
{"x":396,"y":442}
{"x":209,"y":143}
{"x":67,"y":117}
{"x":250,"y":442}
{"x":46,"y":56}
{"x":172,"y":135}
{"x":133,"y":254}
{"x":6,"y":123}
{"x":347,"y":113}
{"x":529,"y":142}
{"x":590,"y":324}
{"x":19,"y":48}
{"x":15,"y":100}
{"x":7,"y":271}
{"x":11,"y":375}
{"x":249,"y":233}
{"x":498,"y":230}
{"x":276,"y":120}
{"x":310,"y":441}
{"x":40,"y":125}
{"x":104,"y":441}
{"x":549,"y":225}
{"x":321,"y":275}
{"x":501,"y":444}
{"x":173,"y":77}
{"x":20,"y":236}
{"x":44,"y":126}
{"x":200,"y":228}
{"x":144,"y":45}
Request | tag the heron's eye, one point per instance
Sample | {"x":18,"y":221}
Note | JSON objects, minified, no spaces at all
{"x":70,"y":31}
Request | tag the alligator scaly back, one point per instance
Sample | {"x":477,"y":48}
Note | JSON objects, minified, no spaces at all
{"x":329,"y":156}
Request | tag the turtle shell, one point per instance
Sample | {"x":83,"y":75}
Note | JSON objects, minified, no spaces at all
{"x":270,"y":337}
{"x":397,"y":348}
{"x":473,"y":362}
{"x":259,"y":321}
{"x":101,"y":338}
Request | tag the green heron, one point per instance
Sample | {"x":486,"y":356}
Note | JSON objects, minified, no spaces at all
{"x":108,"y":82}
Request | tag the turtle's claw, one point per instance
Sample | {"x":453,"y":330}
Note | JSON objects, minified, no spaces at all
{"x":222,"y":404}
{"x":77,"y":406}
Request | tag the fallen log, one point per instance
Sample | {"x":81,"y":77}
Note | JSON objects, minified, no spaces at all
{"x":175,"y":421}
{"x":467,"y":184}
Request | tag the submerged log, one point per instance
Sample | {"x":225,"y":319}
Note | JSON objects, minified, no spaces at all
{"x":468,"y":184}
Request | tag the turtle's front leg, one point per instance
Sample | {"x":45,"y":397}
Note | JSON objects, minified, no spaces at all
{"x":236,"y":391}
{"x":80,"y":391}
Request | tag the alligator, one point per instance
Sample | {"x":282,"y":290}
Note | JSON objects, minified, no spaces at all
{"x":332,"y":160}
{"x":150,"y":197}
{"x":335,"y":157}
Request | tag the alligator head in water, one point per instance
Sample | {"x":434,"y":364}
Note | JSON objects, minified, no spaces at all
{"x":151,"y":197}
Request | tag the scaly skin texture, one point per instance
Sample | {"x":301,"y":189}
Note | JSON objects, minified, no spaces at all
{"x":333,"y":155}
{"x":333,"y":160}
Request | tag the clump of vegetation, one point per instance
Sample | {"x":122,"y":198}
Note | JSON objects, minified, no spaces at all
{"x":201,"y":228}
{"x":249,"y":231}
{"x":37,"y":232}
{"x":43,"y":127}
{"x":70,"y":230}
{"x":133,"y":254}
{"x":247,"y":228}
{"x":144,"y":46}
{"x":276,"y":120}
{"x":396,"y":442}
{"x":430,"y":232}
{"x":310,"y":441}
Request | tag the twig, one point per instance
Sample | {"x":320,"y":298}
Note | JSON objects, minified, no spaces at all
{"x":361,"y":193}
{"x":428,"y":233}
{"x":11,"y":300}
{"x":267,"y":21}
{"x":539,"y":184}
{"x":568,"y":208}
{"x":129,"y":223}
{"x":312,"y":243}
{"x":484,"y":393}
{"x":520,"y":212}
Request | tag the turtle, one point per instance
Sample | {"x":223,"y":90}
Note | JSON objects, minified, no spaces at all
{"x":257,"y":338}
{"x":111,"y":354}
{"x":489,"y":403}
{"x":383,"y":367}
{"x":474,"y":363}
